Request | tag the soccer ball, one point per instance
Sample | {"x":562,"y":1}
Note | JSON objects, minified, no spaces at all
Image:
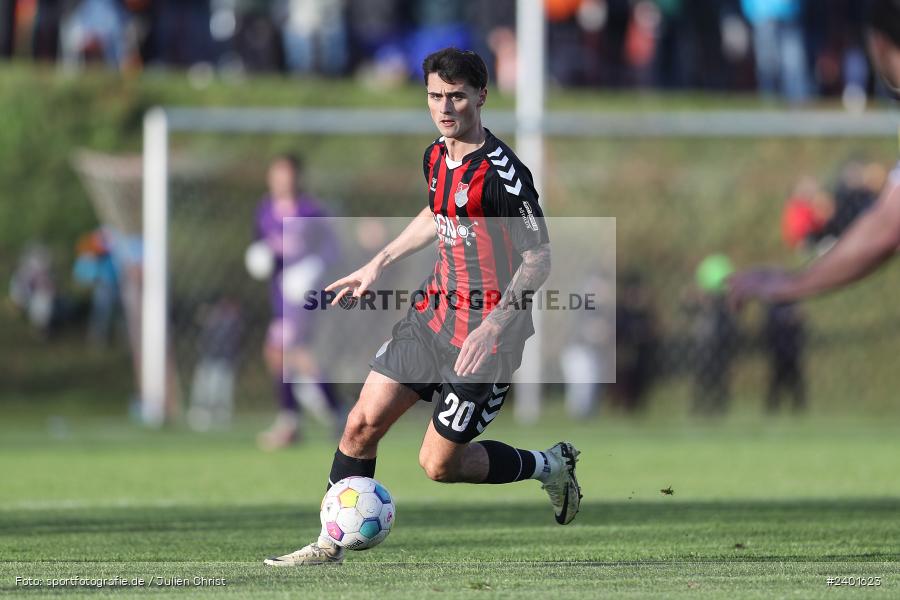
{"x":357,"y":513}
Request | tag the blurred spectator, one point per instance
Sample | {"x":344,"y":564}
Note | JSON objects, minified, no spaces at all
{"x":736,"y":47}
{"x":858,"y":186}
{"x":714,"y":334}
{"x":779,"y":47}
{"x":377,"y":33}
{"x":801,"y":47}
{"x":436,"y":24}
{"x":592,"y":17}
{"x":804,"y":215}
{"x":181,"y":32}
{"x":257,"y":41}
{"x":33,"y":290}
{"x":673,"y":52}
{"x":837,"y":49}
{"x":493,"y":37}
{"x":785,"y":337}
{"x":705,"y":62}
{"x":584,"y":361}
{"x":7,"y":27}
{"x":45,"y":36}
{"x":636,"y":343}
{"x":315,"y":35}
{"x":690,"y":48}
{"x":615,"y":31}
{"x":127,"y":252}
{"x":95,"y":268}
{"x":93,"y":30}
{"x":640,"y":41}
{"x":219,"y":347}
{"x":502,"y":44}
{"x":564,"y":42}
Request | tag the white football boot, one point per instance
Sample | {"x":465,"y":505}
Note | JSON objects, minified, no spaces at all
{"x":321,"y":552}
{"x":562,"y":486}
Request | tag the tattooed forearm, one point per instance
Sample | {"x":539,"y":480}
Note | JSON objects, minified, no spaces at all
{"x":530,"y":276}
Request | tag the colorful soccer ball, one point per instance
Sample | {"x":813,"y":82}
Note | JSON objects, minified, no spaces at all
{"x":357,"y":513}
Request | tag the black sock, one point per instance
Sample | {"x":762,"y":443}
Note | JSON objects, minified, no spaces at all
{"x":347,"y":466}
{"x":507,"y":464}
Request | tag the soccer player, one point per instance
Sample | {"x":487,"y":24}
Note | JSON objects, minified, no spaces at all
{"x":304,"y":247}
{"x":875,"y":236}
{"x":463,"y":351}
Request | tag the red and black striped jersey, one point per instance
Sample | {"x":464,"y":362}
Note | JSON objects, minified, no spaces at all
{"x":487,"y":214}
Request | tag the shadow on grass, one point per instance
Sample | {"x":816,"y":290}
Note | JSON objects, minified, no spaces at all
{"x":438,"y":516}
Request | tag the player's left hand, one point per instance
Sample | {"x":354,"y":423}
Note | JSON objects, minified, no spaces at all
{"x":477,"y":348}
{"x":766,"y":285}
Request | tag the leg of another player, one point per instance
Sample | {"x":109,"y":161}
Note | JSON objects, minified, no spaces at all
{"x":318,"y":395}
{"x":381,"y":402}
{"x":285,"y":430}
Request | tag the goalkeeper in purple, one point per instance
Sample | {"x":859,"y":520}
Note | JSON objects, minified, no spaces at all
{"x":294,"y":246}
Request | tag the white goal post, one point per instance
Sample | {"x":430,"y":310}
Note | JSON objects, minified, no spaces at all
{"x":155,"y":294}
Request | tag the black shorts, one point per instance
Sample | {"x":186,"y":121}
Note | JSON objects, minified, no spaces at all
{"x":417,"y":358}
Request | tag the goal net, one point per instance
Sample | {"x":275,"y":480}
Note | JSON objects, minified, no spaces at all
{"x":693,"y":195}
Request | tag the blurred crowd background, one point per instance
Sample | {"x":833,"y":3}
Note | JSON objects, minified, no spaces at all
{"x":794,"y":49}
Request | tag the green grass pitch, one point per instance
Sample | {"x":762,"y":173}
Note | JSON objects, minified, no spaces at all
{"x":760,"y":509}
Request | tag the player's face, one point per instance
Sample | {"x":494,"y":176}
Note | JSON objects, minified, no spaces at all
{"x":455,"y":107}
{"x":886,"y":59}
{"x":282,"y":180}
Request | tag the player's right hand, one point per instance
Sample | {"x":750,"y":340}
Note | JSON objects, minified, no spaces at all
{"x":356,"y":283}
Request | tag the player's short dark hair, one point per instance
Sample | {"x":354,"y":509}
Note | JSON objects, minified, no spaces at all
{"x":883,"y":16}
{"x":294,"y":160}
{"x":453,"y":64}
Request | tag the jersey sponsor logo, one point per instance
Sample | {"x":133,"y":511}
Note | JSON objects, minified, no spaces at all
{"x":528,"y":216}
{"x":451,"y":233}
{"x":461,"y":197}
{"x":433,"y":184}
